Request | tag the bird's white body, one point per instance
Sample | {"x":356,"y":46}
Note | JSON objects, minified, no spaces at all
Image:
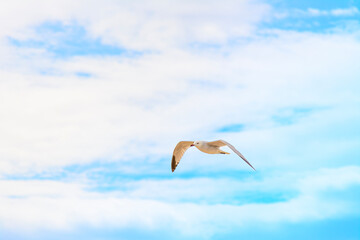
{"x":207,"y":148}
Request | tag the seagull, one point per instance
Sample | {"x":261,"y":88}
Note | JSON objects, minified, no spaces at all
{"x":204,"y":146}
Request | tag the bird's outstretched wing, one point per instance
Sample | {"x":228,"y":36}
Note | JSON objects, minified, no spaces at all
{"x":179,"y":151}
{"x":217,"y":143}
{"x":221,"y":143}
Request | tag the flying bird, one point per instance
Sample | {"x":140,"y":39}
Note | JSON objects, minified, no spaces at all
{"x":206,"y":147}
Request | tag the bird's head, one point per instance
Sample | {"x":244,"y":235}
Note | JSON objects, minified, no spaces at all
{"x":196,"y":143}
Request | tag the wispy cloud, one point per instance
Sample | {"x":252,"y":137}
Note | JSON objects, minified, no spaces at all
{"x":143,"y":25}
{"x":69,"y":40}
{"x":334,"y":12}
{"x":324,"y":18}
{"x":231,"y":128}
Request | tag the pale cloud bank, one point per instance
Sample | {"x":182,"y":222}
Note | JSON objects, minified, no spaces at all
{"x":50,"y":205}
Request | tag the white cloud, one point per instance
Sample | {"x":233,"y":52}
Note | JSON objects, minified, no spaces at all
{"x":337,"y":179}
{"x":61,"y":119}
{"x":49,"y":205}
{"x":57,"y":120}
{"x":139,"y":24}
{"x":345,"y":12}
{"x":334,"y":12}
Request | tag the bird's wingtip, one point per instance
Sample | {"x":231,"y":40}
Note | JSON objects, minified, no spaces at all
{"x":173,"y":163}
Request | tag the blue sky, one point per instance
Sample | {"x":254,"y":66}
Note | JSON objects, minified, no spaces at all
{"x":93,"y":102}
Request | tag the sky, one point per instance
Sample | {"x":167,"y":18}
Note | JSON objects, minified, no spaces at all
{"x":94,"y":96}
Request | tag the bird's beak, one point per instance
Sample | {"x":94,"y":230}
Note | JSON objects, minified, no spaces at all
{"x":192,"y":145}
